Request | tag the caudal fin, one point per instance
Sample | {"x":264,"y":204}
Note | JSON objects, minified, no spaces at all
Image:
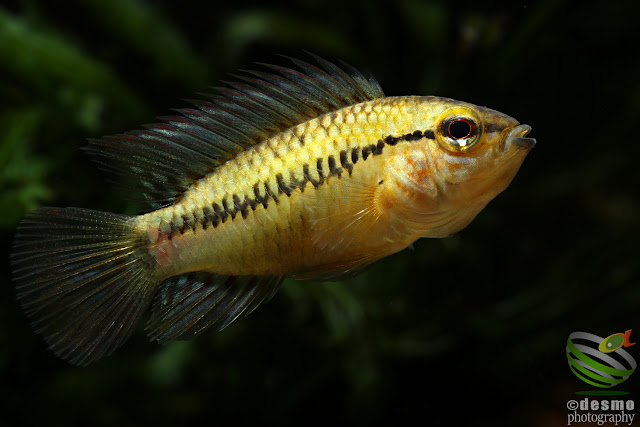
{"x":83,"y":278}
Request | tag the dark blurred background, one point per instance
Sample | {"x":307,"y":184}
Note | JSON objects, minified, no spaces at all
{"x":469,"y":330}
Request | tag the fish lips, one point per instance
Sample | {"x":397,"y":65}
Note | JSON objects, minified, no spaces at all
{"x":516,"y":137}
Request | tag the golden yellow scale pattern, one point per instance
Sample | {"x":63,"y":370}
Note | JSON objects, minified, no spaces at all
{"x":266,"y":211}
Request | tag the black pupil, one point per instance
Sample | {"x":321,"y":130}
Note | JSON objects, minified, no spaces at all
{"x":459,"y":129}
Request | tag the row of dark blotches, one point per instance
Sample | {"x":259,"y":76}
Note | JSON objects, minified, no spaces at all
{"x":218,"y":213}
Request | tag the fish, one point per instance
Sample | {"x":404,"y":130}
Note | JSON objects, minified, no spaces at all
{"x":307,"y":171}
{"x":615,"y":341}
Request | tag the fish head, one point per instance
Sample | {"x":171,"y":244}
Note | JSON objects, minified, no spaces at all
{"x":472,"y":156}
{"x":477,"y":151}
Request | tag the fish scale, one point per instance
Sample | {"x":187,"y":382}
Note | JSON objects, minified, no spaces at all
{"x":309,"y":173}
{"x":232,"y":188}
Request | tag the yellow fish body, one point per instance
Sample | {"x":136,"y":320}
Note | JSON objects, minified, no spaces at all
{"x":312,"y":174}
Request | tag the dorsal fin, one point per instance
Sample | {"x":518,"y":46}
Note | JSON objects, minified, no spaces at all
{"x":165,"y":159}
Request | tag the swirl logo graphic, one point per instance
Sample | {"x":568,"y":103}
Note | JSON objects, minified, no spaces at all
{"x":600,"y":362}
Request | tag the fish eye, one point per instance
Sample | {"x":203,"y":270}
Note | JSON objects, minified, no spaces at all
{"x":460,"y":131}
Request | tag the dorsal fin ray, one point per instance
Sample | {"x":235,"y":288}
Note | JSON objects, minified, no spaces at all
{"x":275,"y":89}
{"x":260,"y":99}
{"x":166,"y":158}
{"x":331,"y":83}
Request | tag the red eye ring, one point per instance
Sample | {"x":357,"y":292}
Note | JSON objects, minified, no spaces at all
{"x":460,"y":128}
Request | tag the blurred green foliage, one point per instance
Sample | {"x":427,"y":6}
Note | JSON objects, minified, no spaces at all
{"x":469,"y":329}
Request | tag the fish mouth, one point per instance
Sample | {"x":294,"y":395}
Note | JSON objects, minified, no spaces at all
{"x":517,"y":137}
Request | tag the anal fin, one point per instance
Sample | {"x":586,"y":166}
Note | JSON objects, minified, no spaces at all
{"x":341,"y":270}
{"x":189,"y":304}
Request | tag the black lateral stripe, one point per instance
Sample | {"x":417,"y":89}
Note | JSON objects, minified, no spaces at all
{"x":409,"y":137}
{"x":209,"y":215}
{"x":429,"y":134}
{"x":307,"y":176}
{"x":188,"y":222}
{"x":320,"y":173}
{"x":259,"y":199}
{"x":367,"y":150}
{"x":378,"y":148}
{"x":415,"y":136}
{"x":220,"y":212}
{"x":229,"y":208}
{"x":333,"y":169}
{"x":215,"y":221}
{"x":355,"y":155}
{"x":251,"y":202}
{"x":344,"y":161}
{"x":391,"y":140}
{"x":297,"y":183}
{"x":174,"y":228}
{"x":269,"y":193}
{"x":180,"y":224}
{"x":282,"y":187}
{"x":240,"y":206}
